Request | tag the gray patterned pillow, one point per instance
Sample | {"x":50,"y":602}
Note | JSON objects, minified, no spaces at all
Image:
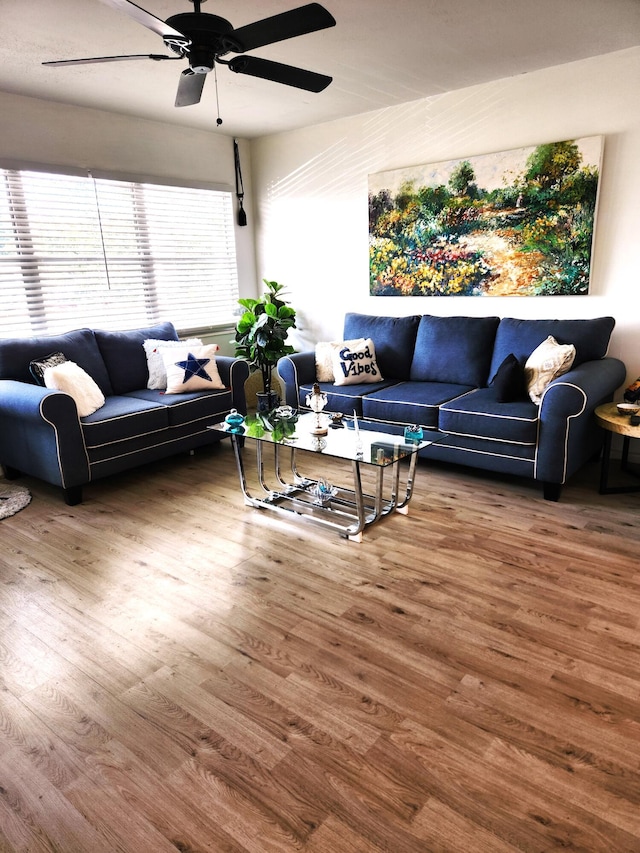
{"x":38,"y":366}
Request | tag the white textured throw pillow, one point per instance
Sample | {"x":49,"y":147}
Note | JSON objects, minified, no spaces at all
{"x":325,"y":350}
{"x":547,"y":362}
{"x":191,"y":369}
{"x":153,"y":349}
{"x":76,"y":382}
{"x":353,"y":365}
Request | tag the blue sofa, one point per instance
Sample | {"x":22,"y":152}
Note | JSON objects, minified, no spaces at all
{"x":439,"y":372}
{"x":42,"y":435}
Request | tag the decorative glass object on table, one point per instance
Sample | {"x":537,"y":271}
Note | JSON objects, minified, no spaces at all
{"x":235,"y":422}
{"x":283,"y":422}
{"x":279,"y":422}
{"x":316,"y":401}
{"x":356,"y":429}
{"x":323,"y":491}
{"x":413,"y":434}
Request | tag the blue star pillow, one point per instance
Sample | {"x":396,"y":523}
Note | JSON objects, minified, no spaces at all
{"x":192,"y":368}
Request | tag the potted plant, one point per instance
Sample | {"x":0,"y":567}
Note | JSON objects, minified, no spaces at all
{"x":261,"y":334}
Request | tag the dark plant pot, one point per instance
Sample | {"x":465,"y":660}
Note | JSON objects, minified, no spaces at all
{"x":267,"y":402}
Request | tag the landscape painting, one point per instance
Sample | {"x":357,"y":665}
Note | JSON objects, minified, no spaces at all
{"x":515,"y":223}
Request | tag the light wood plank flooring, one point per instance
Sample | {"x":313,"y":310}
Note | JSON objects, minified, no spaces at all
{"x":179,"y":672}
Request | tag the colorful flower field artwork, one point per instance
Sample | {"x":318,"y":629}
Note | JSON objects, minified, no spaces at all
{"x":515,"y":223}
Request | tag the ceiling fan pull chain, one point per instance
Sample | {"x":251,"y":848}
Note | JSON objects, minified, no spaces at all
{"x":215,"y":77}
{"x":242,"y":216}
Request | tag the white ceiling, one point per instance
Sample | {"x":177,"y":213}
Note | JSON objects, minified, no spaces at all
{"x":381,"y":53}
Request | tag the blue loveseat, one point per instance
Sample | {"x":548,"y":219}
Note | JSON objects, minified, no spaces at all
{"x":439,"y":372}
{"x":42,"y":435}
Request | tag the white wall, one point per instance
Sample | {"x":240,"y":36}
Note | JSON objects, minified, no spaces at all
{"x":311,"y":190}
{"x":36,"y":131}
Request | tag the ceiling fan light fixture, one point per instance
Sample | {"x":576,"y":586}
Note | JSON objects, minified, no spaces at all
{"x":201,"y":60}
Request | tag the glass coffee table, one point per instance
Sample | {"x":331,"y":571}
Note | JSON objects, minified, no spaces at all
{"x":348,"y":511}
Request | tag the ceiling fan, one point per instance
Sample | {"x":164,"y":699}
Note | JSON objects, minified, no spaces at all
{"x":205,"y":39}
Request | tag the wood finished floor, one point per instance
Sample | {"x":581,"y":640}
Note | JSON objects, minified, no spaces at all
{"x":179,"y":672}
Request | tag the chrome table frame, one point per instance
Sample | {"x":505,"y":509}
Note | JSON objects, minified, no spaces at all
{"x":350,"y":511}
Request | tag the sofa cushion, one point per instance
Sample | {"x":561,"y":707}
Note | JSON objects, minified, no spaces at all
{"x":394,"y":339}
{"x":410,"y":402}
{"x":341,"y":398}
{"x":122,"y":418}
{"x":197,"y":407}
{"x":124,"y":355}
{"x":521,"y":337}
{"x":454,"y":349}
{"x":479,"y":415}
{"x":79,"y":345}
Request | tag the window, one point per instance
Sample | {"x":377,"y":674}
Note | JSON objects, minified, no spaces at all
{"x":78,"y":251}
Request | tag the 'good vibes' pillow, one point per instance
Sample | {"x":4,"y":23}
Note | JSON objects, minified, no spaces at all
{"x":325,"y":351}
{"x":355,"y":364}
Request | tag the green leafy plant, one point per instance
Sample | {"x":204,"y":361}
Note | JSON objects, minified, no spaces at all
{"x":280,"y":422}
{"x":262,"y":330}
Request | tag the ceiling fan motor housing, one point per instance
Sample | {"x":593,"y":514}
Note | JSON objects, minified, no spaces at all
{"x":210,"y":37}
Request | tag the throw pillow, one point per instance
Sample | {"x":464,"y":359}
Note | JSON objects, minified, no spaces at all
{"x":508,"y":382}
{"x":325,"y":351}
{"x":547,"y":362}
{"x":153,"y":350}
{"x":73,"y":380}
{"x":38,"y":366}
{"x":191,"y":369}
{"x":355,"y":364}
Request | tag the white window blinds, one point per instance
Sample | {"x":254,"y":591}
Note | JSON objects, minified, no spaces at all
{"x":78,"y":251}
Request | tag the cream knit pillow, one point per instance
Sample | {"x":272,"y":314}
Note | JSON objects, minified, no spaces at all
{"x":547,"y":362}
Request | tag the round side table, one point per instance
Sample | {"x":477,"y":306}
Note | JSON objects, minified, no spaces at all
{"x":608,"y":418}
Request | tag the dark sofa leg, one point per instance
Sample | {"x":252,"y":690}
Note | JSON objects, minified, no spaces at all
{"x":73,"y":495}
{"x":10,"y":473}
{"x":551,"y":491}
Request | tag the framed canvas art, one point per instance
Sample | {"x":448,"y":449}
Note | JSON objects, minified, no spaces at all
{"x":514,"y":223}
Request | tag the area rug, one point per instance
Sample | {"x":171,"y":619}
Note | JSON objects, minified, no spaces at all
{"x":13,"y":499}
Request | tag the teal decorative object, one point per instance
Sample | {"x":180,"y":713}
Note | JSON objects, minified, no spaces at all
{"x":235,"y":422}
{"x":413,"y":434}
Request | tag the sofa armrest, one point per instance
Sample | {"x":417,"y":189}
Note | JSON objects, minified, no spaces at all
{"x":568,"y":432}
{"x":296,"y":370}
{"x":41,"y":434}
{"x":234,"y":372}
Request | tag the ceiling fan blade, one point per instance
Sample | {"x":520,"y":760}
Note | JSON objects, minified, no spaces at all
{"x":296,"y":22}
{"x":146,"y":19}
{"x":155,"y":56}
{"x":190,"y":88}
{"x":279,"y":73}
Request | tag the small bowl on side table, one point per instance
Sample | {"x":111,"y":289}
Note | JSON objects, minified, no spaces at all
{"x":628,"y":408}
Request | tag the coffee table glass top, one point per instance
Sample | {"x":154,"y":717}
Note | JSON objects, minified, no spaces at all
{"x":369,"y":444}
